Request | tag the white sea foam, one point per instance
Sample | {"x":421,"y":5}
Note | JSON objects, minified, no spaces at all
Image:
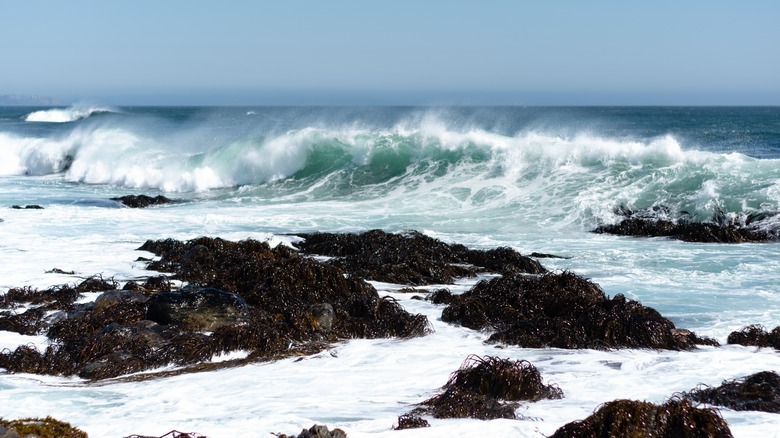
{"x":63,"y":115}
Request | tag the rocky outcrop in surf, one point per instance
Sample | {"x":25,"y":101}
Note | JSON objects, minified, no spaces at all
{"x":487,"y":388}
{"x":563,"y":310}
{"x":676,"y":418}
{"x":756,"y":336}
{"x":657,"y":223}
{"x":142,"y":201}
{"x":756,"y":392}
{"x":39,"y":428}
{"x":412,"y":258}
{"x":240,"y":296}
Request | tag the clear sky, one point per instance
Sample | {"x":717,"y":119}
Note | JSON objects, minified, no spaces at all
{"x":393,"y":52}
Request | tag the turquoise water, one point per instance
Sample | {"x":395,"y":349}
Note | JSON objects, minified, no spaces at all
{"x":536,"y":179}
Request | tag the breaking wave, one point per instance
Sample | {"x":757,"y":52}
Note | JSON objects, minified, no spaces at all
{"x":64,"y":115}
{"x":580,"y":178}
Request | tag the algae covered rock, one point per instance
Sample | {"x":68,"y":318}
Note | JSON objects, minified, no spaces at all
{"x":39,"y":427}
{"x":411,"y":258}
{"x":756,"y":336}
{"x":317,"y":431}
{"x":142,"y":201}
{"x":562,"y":310}
{"x":676,"y":418}
{"x":488,"y":388}
{"x":756,"y":392}
{"x":204,"y":309}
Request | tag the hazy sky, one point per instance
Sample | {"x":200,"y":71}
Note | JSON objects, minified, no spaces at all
{"x":393,"y":52}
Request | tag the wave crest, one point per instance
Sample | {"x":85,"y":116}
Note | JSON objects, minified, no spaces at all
{"x":64,"y":115}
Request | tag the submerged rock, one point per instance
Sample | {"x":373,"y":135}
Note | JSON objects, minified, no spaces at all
{"x":412,"y":258}
{"x":628,"y":418}
{"x":756,"y":392}
{"x":562,"y":310}
{"x":142,"y":201}
{"x":487,"y":388}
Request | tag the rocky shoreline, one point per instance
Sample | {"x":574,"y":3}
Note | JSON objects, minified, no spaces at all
{"x":264,"y":303}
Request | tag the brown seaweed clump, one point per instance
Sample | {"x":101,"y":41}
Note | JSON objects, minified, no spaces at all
{"x":756,"y":392}
{"x":268,"y":302}
{"x":39,"y":427}
{"x":409,"y":421}
{"x":756,"y":336}
{"x":171,"y":434}
{"x":488,"y":388}
{"x":563,"y":310}
{"x":676,"y":418}
{"x":412,"y":258}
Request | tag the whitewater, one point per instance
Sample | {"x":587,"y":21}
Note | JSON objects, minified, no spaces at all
{"x":534,"y":179}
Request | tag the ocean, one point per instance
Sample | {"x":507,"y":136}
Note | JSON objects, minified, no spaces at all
{"x":537,"y":179}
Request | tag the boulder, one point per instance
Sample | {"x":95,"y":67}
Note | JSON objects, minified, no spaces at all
{"x":756,"y":392}
{"x":142,"y":201}
{"x":676,"y":418}
{"x":204,"y":309}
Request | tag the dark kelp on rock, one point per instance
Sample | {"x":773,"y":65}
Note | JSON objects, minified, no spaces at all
{"x":245,"y":296}
{"x":676,"y":418}
{"x":756,"y":392}
{"x":316,"y":431}
{"x":412,"y":258}
{"x":487,"y":388}
{"x":563,"y":310}
{"x":755,"y":336}
{"x":656,"y":223}
{"x":142,"y":201}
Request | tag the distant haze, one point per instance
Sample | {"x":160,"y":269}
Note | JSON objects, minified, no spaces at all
{"x":398,"y":52}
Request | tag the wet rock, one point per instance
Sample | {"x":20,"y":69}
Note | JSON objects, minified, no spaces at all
{"x":756,"y":336}
{"x":322,"y":315}
{"x":27,"y":207}
{"x":39,"y":428}
{"x":317,"y":431}
{"x":409,"y":421}
{"x":561,"y":310}
{"x":411,"y":258}
{"x":487,"y":388}
{"x":655,"y":223}
{"x":628,"y":418}
{"x":59,"y":271}
{"x":198,"y":309}
{"x":756,"y":392}
{"x":106,"y":366}
{"x":142,"y":201}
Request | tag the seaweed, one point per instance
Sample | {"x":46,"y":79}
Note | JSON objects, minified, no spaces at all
{"x":562,"y":310}
{"x":488,"y":388}
{"x":171,"y":434}
{"x":411,"y":258}
{"x":41,"y":428}
{"x":676,"y":418}
{"x":654,"y":223}
{"x":409,"y":421}
{"x":755,"y":335}
{"x":756,"y":392}
{"x":316,"y":431}
{"x":142,"y":201}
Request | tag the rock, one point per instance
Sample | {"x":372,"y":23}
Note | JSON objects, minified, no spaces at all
{"x":39,"y":428}
{"x":142,"y":201}
{"x":756,"y":336}
{"x":481,"y":386}
{"x":411,"y":258}
{"x":409,"y":421}
{"x":322,"y":317}
{"x":27,"y":207}
{"x":628,"y":418}
{"x":562,"y":311}
{"x":756,"y":392}
{"x":317,"y":431}
{"x":655,"y":223}
{"x":198,"y":309}
{"x":110,"y":365}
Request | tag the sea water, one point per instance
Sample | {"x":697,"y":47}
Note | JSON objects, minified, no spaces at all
{"x":535,"y":179}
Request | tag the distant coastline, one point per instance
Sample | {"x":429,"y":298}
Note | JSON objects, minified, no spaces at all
{"x":21,"y":100}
